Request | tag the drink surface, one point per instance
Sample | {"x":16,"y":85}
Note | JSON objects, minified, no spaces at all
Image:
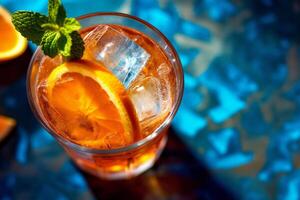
{"x":120,"y":92}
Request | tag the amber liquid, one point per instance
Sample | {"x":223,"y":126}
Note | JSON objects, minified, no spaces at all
{"x":119,"y":164}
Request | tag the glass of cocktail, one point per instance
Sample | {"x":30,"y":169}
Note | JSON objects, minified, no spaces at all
{"x":110,"y":110}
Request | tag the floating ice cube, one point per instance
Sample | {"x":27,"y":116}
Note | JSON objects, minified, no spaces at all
{"x":117,"y":52}
{"x":150,"y":97}
{"x":163,"y":70}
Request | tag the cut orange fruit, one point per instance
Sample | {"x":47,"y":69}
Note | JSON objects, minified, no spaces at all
{"x":91,"y":105}
{"x":13,"y":44}
{"x":6,"y":125}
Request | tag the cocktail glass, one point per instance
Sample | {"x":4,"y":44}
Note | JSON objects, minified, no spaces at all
{"x":133,"y":159}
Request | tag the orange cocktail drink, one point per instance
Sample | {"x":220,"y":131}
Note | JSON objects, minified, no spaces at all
{"x":111,"y":109}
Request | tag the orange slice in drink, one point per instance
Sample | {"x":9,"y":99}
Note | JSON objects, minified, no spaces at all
{"x":13,"y":44}
{"x":6,"y":125}
{"x":93,"y":107}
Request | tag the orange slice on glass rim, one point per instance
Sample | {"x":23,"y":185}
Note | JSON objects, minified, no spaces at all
{"x":13,"y":44}
{"x":93,"y":107}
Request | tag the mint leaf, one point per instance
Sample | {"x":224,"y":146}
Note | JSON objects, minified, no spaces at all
{"x":77,"y":48}
{"x":29,"y":24}
{"x":50,"y":43}
{"x":65,"y":44}
{"x":50,"y":26}
{"x":55,"y":33}
{"x":56,"y":11}
{"x":71,"y":24}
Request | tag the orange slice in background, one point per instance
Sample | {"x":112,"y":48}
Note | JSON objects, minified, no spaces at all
{"x":93,"y":107}
{"x":6,"y":125}
{"x":12,"y":43}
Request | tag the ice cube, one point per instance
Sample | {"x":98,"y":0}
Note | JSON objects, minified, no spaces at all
{"x":150,"y":97}
{"x":163,"y":70}
{"x":117,"y":52}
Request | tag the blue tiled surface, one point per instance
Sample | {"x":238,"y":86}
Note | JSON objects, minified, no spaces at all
{"x":241,"y":106}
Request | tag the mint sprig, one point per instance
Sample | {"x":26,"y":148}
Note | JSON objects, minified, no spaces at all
{"x":56,"y":12}
{"x":56,"y":33}
{"x":29,"y":24}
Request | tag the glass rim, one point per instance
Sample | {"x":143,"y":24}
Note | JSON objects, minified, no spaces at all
{"x":138,"y":143}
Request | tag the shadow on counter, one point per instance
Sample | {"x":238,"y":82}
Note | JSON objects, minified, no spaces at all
{"x":176,"y":175}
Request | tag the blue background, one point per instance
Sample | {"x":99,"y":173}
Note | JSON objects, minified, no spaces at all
{"x":240,"y":113}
